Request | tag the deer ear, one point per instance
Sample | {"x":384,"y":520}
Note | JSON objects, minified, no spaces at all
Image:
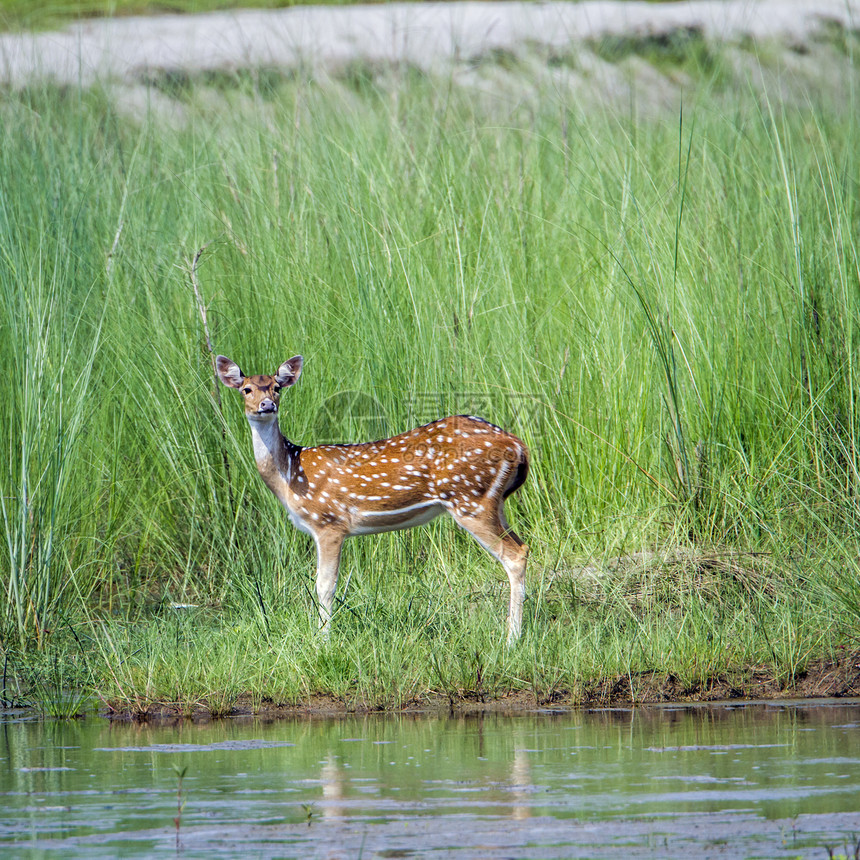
{"x":289,"y":372}
{"x":228,"y":372}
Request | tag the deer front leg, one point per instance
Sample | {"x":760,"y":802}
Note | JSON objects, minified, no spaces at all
{"x":329,"y":545}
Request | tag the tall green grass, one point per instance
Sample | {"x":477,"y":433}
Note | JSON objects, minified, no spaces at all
{"x":664,"y":308}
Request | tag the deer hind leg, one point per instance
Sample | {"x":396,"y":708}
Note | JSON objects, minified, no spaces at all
{"x":329,"y":546}
{"x":492,"y":531}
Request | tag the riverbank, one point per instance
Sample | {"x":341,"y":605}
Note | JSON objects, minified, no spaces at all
{"x":829,"y":681}
{"x":426,"y":36}
{"x":600,"y":52}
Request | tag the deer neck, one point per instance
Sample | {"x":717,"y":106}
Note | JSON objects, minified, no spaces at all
{"x":276,"y":456}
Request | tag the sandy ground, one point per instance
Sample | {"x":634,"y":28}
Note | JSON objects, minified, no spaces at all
{"x":428,"y":35}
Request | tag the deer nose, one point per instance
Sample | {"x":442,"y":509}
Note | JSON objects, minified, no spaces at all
{"x":267,"y":405}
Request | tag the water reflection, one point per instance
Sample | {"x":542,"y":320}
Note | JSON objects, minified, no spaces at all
{"x":400,"y":768}
{"x":520,"y":783}
{"x":68,"y":785}
{"x":332,"y":779}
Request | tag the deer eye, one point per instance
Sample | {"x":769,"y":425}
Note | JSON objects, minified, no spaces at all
{"x":246,"y":391}
{"x":276,"y":388}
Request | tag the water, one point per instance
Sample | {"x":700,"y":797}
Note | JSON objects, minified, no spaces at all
{"x":765,"y":780}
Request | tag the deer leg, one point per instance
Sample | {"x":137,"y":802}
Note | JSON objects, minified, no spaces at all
{"x":496,"y":536}
{"x":329,"y":545}
{"x":514,"y":562}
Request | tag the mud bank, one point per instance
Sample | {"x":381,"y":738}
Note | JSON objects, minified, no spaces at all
{"x":822,"y":679}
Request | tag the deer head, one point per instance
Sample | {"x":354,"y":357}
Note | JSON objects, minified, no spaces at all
{"x":261,"y":393}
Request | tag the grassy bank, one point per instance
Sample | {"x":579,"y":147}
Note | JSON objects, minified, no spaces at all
{"x":664,"y":307}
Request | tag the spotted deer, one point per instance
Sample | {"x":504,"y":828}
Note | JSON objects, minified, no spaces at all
{"x":461,"y":465}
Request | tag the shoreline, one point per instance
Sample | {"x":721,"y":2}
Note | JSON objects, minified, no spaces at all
{"x":823,"y":680}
